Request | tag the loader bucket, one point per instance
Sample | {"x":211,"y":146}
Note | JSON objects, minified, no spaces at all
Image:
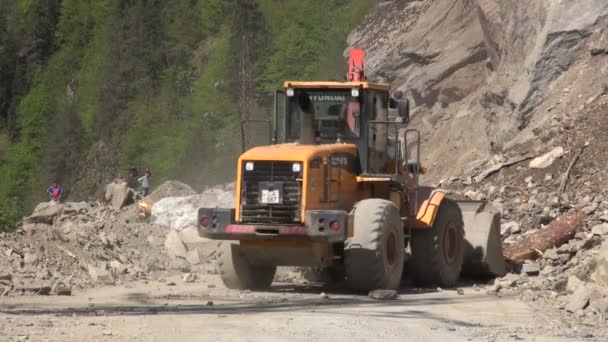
{"x":483,"y":246}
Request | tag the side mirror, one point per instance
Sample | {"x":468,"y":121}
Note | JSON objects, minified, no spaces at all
{"x":403,"y":108}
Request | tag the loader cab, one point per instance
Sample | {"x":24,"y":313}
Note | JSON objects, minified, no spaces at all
{"x":350,"y":112}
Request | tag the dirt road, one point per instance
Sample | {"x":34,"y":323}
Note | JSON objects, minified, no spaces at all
{"x":171,"y":310}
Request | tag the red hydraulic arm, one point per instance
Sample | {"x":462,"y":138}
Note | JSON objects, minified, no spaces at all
{"x":356,"y":65}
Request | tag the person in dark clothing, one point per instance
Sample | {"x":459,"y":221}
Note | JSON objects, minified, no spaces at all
{"x":133,"y":177}
{"x":55,"y":191}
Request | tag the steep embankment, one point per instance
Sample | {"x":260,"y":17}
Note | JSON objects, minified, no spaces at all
{"x":485,"y":75}
{"x":89,"y":88}
{"x":511,"y":99}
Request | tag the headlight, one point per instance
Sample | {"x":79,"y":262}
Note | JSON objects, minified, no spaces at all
{"x":289,"y":92}
{"x":354,"y":92}
{"x":296,"y":167}
{"x":249,"y":166}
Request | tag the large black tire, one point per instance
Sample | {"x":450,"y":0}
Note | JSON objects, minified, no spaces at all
{"x":238,"y":273}
{"x":374,"y":256}
{"x":438,"y":252}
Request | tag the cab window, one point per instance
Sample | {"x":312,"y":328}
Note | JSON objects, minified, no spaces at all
{"x":330,"y":113}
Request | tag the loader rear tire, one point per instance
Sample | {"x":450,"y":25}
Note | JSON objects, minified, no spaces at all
{"x":374,"y":256}
{"x":238,"y":273}
{"x":438,"y":252}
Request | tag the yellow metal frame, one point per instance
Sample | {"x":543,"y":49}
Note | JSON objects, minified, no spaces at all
{"x":335,"y":85}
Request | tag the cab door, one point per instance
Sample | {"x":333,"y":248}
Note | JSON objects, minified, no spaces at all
{"x":377,"y":135}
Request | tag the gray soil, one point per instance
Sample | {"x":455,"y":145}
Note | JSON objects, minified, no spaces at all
{"x":172,"y":310}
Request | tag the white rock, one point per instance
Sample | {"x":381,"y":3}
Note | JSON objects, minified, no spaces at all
{"x":579,"y":299}
{"x":530,"y":268}
{"x":189,"y":278}
{"x":383,"y":294}
{"x":30,"y":258}
{"x":174,"y":245}
{"x":154,"y":241}
{"x":600,"y":275}
{"x":45,"y":213}
{"x":473,"y":195}
{"x":600,"y":229}
{"x":546,"y":159}
{"x":511,"y":227}
{"x":573,"y":284}
{"x":118,"y":194}
{"x":118,"y":266}
{"x":193,"y":257}
{"x":551,"y":254}
{"x":192,"y":240}
{"x":100,"y":275}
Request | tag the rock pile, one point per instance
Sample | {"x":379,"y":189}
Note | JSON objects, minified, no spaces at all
{"x":78,"y":245}
{"x":533,"y":187}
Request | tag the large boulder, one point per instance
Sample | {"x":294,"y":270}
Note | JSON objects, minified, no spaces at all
{"x":119,"y":195}
{"x":45,"y":213}
{"x":170,"y":189}
{"x":192,"y":240}
{"x":179,"y":213}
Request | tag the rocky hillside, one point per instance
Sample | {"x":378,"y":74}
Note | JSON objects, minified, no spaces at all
{"x":511,"y":98}
{"x":487,"y":76}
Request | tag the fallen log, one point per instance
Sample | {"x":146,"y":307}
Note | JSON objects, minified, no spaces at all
{"x":555,"y":234}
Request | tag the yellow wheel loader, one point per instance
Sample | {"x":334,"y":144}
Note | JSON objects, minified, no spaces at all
{"x":337,"y":188}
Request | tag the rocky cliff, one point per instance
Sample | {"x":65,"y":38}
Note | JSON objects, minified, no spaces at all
{"x":484,"y":76}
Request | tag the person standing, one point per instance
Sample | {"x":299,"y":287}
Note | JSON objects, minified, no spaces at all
{"x":55,"y":191}
{"x":133,"y":177}
{"x":145,"y":182}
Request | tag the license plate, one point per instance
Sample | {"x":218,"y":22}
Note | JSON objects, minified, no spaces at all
{"x":270,"y":196}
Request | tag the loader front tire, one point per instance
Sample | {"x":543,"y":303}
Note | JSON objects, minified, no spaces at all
{"x":438,"y":252}
{"x":374,"y":256}
{"x":238,"y":273}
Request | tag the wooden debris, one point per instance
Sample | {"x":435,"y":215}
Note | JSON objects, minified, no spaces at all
{"x":564,"y":182}
{"x":555,"y":234}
